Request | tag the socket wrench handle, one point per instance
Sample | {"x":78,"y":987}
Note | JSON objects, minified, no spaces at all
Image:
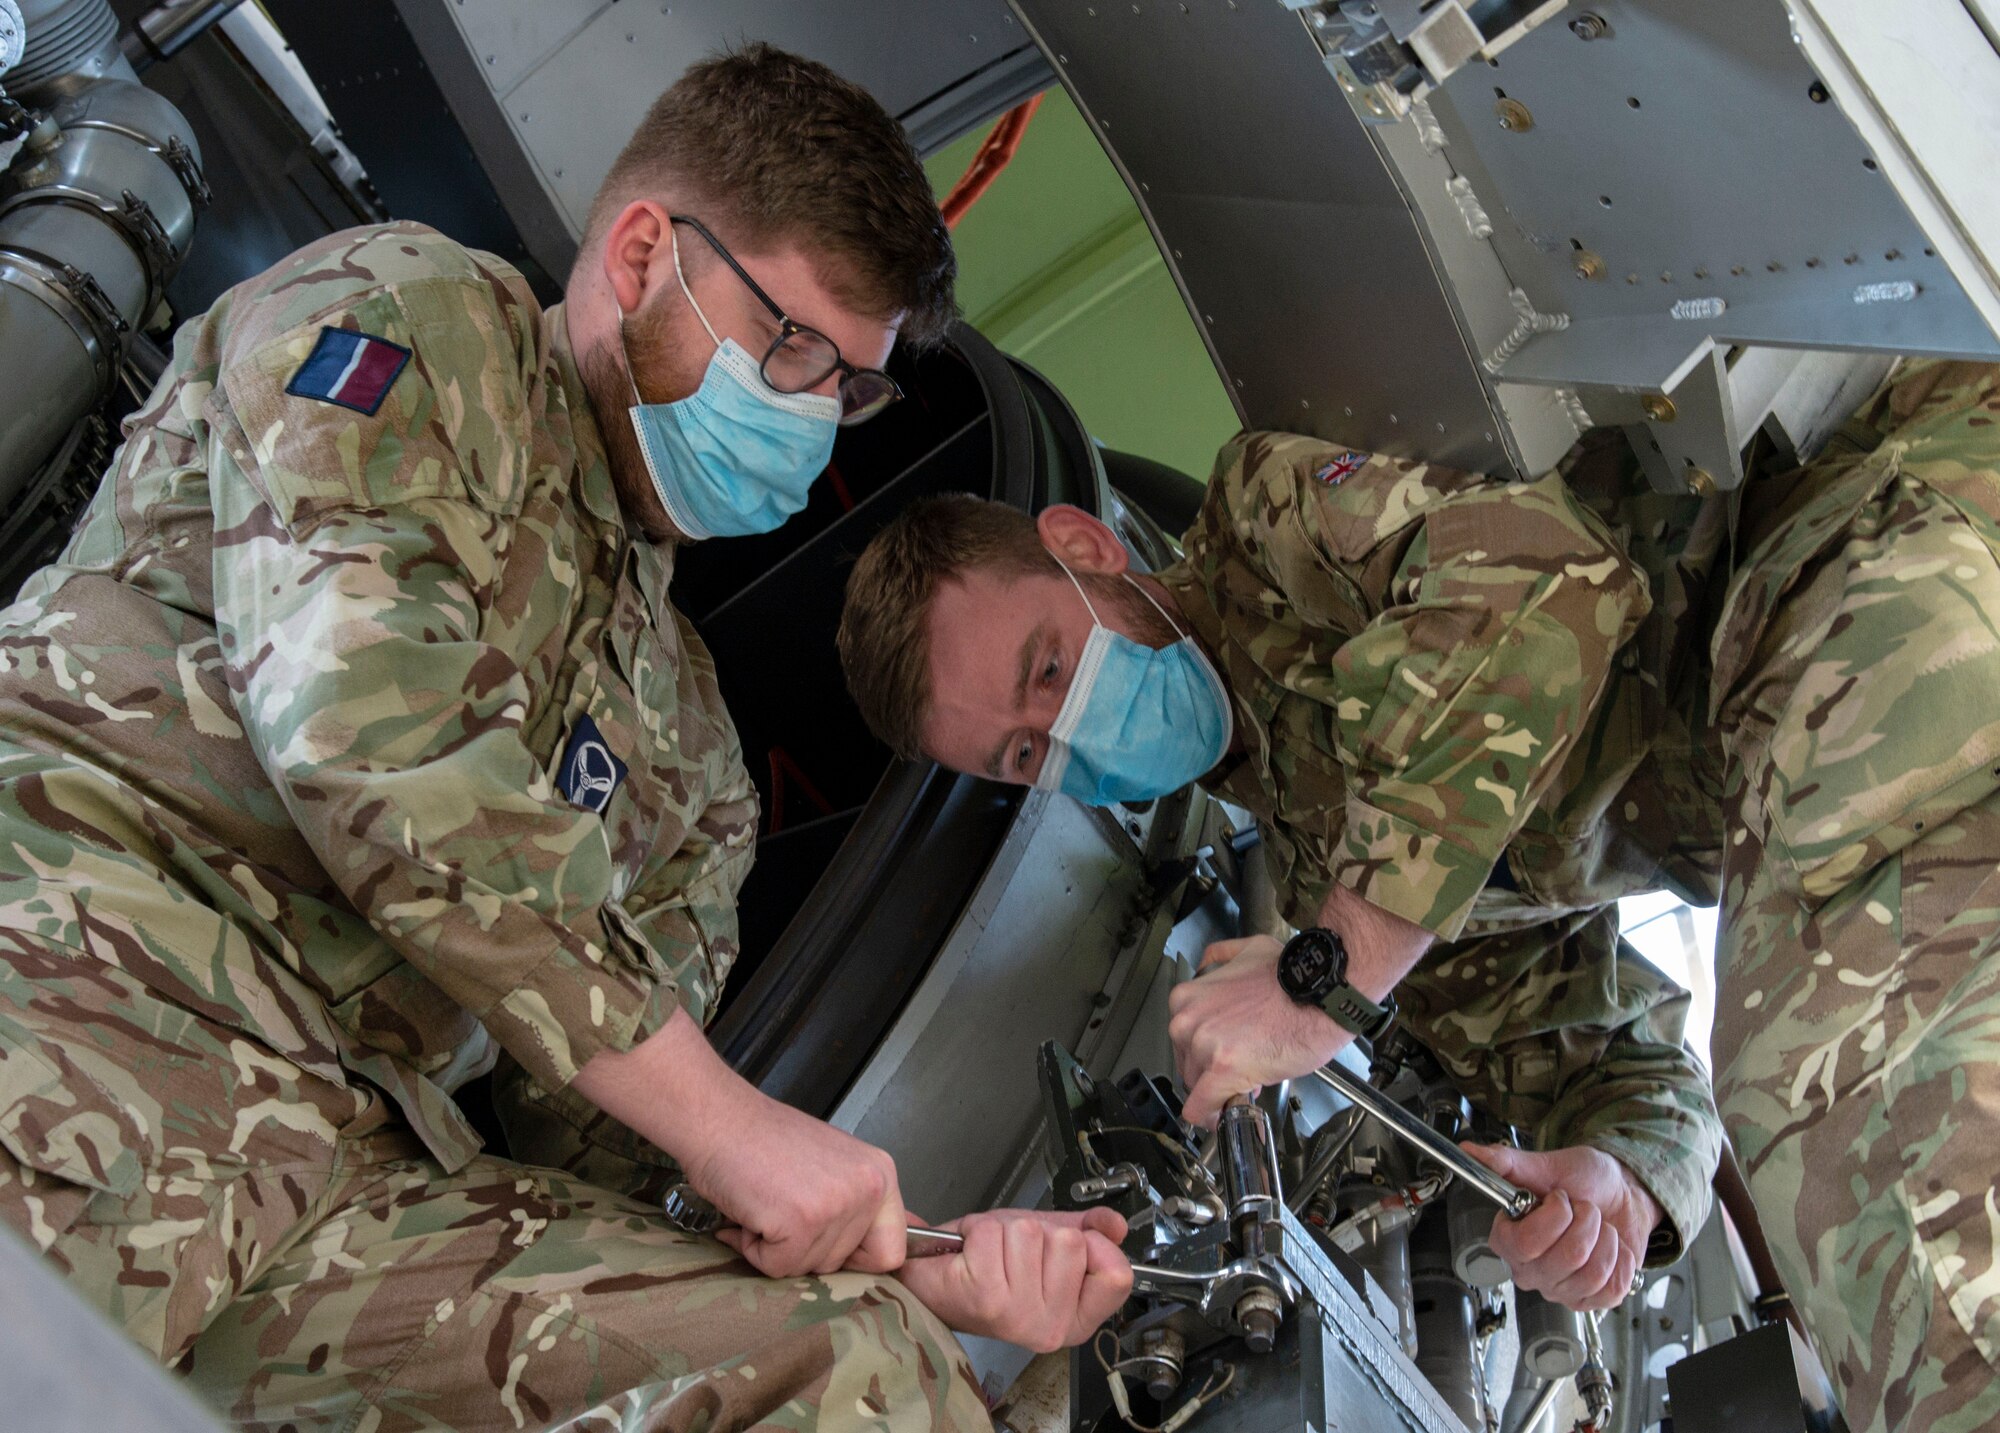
{"x":1504,"y":1194}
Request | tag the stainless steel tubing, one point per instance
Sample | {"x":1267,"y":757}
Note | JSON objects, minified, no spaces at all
{"x":166,"y":30}
{"x":1528,"y":1403}
{"x":1510,"y":1198}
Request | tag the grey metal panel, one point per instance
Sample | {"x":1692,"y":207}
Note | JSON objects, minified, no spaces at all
{"x":1304,"y":268}
{"x":510,"y":169}
{"x":1688,"y":151}
{"x":67,"y":1369}
{"x":548,"y":91}
{"x":951,"y":1093}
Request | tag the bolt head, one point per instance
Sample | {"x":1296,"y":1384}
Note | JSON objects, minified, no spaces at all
{"x":1658,"y":408}
{"x":1700,"y":483}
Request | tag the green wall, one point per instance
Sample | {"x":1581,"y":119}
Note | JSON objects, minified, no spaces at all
{"x":1057,"y":268}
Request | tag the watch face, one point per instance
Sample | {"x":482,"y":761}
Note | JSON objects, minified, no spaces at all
{"x":1311,"y":965}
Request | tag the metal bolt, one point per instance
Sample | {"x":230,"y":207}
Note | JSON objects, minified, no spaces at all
{"x":1259,"y":1313}
{"x":1700,"y":483}
{"x":1589,"y":27}
{"x":1514,"y":116}
{"x":1659,"y":408}
{"x":1588,"y":265}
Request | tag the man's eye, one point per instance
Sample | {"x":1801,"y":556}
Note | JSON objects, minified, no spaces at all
{"x":1022,"y":756}
{"x":1049,"y":670}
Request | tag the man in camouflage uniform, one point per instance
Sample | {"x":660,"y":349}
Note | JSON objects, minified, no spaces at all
{"x":353,"y":736}
{"x":1821,"y":653}
{"x":1386,"y":634}
{"x":1857,"y":665}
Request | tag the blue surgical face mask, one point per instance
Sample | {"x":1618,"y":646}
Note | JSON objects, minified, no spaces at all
{"x":1138,"y":721}
{"x":736,"y":456}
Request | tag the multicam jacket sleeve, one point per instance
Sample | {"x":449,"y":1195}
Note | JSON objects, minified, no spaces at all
{"x":1414,"y":652}
{"x":360,"y":564}
{"x":1468,"y":628}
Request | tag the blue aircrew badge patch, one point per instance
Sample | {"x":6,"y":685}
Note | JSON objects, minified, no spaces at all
{"x":354,"y":370}
{"x":590,"y":774}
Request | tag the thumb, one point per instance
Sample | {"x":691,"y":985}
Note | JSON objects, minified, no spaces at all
{"x":1224,"y":951}
{"x":1108,"y":1222}
{"x":1534,"y":1172}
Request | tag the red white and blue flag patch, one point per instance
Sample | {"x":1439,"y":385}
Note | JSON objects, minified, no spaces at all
{"x":354,"y":370}
{"x":1341,"y":468}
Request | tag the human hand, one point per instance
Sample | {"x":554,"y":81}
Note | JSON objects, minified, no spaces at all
{"x":1234,"y":1029}
{"x":806,"y":1198}
{"x":1041,"y":1280}
{"x":1582,"y":1245}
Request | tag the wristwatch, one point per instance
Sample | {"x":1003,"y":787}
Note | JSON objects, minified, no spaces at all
{"x":1313,"y":971}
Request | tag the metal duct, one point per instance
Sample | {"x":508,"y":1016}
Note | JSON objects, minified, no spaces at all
{"x":99,"y":212}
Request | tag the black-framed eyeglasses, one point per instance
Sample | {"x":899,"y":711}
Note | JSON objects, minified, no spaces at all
{"x":800,"y":358}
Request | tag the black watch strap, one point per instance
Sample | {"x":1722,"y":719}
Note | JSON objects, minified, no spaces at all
{"x":1313,"y":970}
{"x":1355,"y":1012}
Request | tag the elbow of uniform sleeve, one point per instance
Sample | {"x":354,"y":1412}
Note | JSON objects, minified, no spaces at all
{"x":585,"y":999}
{"x":1678,"y":1169}
{"x":1409,"y":870}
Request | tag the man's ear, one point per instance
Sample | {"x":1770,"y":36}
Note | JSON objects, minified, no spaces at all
{"x":1080,"y":541}
{"x":638,"y":253}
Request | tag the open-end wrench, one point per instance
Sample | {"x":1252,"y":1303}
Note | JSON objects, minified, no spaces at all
{"x":1507,"y":1196}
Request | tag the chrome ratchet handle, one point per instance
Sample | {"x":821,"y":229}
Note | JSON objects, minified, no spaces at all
{"x":1508,"y":1197}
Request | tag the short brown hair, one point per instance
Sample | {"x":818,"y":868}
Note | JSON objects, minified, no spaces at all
{"x":768,"y":148}
{"x":885,"y":643}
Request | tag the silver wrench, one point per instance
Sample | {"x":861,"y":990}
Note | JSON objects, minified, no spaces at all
{"x":1508,"y":1197}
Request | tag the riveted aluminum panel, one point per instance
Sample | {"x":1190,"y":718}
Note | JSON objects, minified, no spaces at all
{"x":1309,"y":278}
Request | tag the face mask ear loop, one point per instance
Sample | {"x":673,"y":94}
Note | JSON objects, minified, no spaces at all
{"x":1140,"y":587}
{"x":625,"y":352}
{"x":674,"y":238}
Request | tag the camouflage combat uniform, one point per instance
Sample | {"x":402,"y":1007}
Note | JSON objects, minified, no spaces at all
{"x":1857,"y":1037}
{"x":296,"y":824}
{"x":1437,"y":688}
{"x":1840,"y":639}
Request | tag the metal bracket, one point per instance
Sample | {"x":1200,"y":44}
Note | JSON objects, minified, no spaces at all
{"x":187,"y":169}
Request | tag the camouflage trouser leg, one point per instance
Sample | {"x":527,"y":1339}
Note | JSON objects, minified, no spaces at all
{"x":505,"y":1296}
{"x":1858,"y":1021}
{"x":287,"y":1242}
